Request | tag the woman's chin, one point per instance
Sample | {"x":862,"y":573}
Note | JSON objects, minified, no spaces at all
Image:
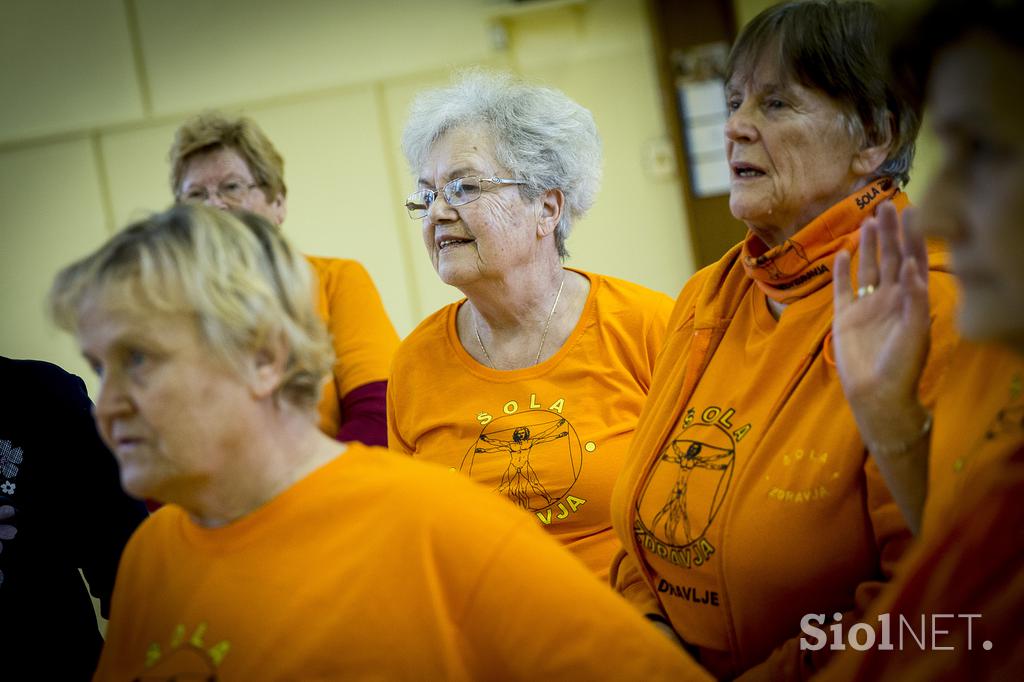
{"x":141,"y":483}
{"x":459,"y":265}
{"x":746,"y":211}
{"x":453,"y":275}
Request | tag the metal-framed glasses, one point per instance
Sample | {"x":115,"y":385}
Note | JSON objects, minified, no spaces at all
{"x":229,"y":191}
{"x":457,"y":192}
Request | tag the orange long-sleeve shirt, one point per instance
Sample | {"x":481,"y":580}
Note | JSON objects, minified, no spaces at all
{"x":363,"y":337}
{"x":748,"y":499}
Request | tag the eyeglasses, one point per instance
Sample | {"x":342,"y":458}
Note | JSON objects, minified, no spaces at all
{"x":457,"y":192}
{"x":229,"y":191}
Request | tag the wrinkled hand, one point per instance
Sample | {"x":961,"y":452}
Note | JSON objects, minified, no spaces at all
{"x":881,"y":338}
{"x":7,"y":530}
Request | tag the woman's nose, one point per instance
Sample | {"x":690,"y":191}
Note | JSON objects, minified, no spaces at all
{"x":214,"y":200}
{"x":440,"y":210}
{"x":740,"y":127}
{"x":111,"y":400}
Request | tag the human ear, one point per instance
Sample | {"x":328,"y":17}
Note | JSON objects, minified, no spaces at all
{"x":873,"y":153}
{"x":267,"y":367}
{"x":552,"y":202}
{"x":279,"y":209}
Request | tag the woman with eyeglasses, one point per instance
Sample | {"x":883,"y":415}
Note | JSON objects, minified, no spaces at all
{"x":533,"y":383}
{"x":230,"y":163}
{"x":750,"y":499}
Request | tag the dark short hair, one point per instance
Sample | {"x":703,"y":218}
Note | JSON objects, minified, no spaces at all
{"x":920,"y":33}
{"x":837,"y":48}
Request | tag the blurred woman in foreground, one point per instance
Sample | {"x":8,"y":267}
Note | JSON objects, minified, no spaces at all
{"x":963,"y":59}
{"x":281,"y":554}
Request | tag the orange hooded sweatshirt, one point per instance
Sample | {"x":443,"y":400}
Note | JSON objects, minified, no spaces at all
{"x":748,"y":499}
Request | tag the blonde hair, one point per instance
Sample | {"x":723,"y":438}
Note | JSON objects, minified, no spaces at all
{"x":234,"y":273}
{"x":212,"y":130}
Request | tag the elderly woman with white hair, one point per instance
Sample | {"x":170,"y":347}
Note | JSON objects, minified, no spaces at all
{"x":532,"y":384}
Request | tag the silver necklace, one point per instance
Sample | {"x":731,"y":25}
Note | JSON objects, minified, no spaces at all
{"x":543,"y":336}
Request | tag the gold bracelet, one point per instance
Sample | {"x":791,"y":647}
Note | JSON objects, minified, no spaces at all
{"x":890,"y":451}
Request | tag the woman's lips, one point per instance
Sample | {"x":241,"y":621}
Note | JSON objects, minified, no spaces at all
{"x":452,"y":242}
{"x":746,"y":171}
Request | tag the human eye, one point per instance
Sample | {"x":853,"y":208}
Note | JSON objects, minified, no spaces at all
{"x":462,"y":190}
{"x":454,"y":187}
{"x":733,"y":97}
{"x":774,"y":103}
{"x":135,"y":358}
{"x":469,"y":186}
{"x":984,"y":149}
{"x":95,"y":365}
{"x":232,"y":189}
{"x":972,"y":148}
{"x":420,"y":201}
{"x":196,"y":194}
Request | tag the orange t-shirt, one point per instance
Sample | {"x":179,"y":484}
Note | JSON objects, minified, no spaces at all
{"x":978,"y":423}
{"x":363,"y":337}
{"x":748,"y":499}
{"x":969,"y":559}
{"x":552,"y":438}
{"x":371,"y":567}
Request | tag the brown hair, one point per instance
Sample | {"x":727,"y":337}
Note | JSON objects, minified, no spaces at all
{"x":212,"y":130}
{"x":835,"y":47}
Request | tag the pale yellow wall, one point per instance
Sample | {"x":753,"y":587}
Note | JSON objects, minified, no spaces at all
{"x":94,"y":90}
{"x":52,"y":213}
{"x":746,"y":10}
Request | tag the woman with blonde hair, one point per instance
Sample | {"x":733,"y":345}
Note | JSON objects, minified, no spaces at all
{"x":281,"y":554}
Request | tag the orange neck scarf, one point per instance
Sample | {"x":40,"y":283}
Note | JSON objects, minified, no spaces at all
{"x":803,"y":263}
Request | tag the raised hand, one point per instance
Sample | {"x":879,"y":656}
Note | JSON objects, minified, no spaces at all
{"x":880,"y":331}
{"x":880,"y":337}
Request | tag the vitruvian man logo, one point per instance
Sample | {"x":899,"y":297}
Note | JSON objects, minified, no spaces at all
{"x":535,"y":456}
{"x":688,"y":484}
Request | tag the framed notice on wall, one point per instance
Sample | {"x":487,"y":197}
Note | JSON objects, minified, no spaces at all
{"x":699,"y":73}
